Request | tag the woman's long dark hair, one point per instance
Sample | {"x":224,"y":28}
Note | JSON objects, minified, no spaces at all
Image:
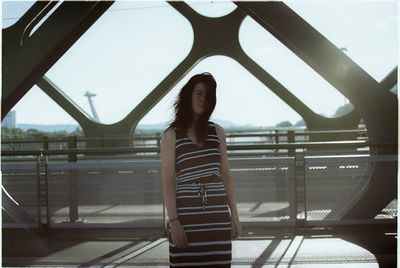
{"x":183,"y":105}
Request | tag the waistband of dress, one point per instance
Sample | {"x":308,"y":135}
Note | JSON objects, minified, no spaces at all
{"x":200,"y":182}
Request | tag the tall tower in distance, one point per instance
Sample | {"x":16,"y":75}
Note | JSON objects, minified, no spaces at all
{"x":90,"y":95}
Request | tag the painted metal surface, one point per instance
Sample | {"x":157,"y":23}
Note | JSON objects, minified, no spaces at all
{"x":376,"y":104}
{"x":27,"y":58}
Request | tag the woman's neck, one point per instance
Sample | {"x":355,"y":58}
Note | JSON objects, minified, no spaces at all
{"x":193,"y":124}
{"x":195,"y":118}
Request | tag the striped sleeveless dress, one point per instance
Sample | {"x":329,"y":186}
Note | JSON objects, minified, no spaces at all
{"x":202,"y":204}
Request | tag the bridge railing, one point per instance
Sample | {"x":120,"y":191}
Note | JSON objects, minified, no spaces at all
{"x":123,"y":192}
{"x":275,"y":136}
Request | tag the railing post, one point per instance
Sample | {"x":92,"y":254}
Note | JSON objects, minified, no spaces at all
{"x":276,"y":138}
{"x":45,"y":143}
{"x":292,"y":193}
{"x":290,"y":139}
{"x":300,"y":184}
{"x":47,"y":191}
{"x":42,"y":191}
{"x":38,"y":193}
{"x":72,"y":140}
{"x":158,"y":137}
{"x":73,"y":185}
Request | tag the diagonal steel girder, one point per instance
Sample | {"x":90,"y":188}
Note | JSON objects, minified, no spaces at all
{"x":220,"y":36}
{"x":28,"y":56}
{"x":376,"y":105}
{"x":212,"y":36}
{"x":390,"y":80}
{"x":326,"y":59}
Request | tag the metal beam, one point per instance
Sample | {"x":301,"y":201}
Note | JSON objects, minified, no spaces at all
{"x":311,"y":46}
{"x":313,"y":121}
{"x":26,"y":58}
{"x":14,"y":210}
{"x":378,"y":107}
{"x":390,"y":80}
{"x":63,"y":100}
{"x":327,"y":60}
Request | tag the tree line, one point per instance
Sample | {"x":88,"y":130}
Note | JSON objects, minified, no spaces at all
{"x":17,"y":133}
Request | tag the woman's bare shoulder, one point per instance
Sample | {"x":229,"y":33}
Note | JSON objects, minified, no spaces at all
{"x":220,"y":130}
{"x":169,"y":135}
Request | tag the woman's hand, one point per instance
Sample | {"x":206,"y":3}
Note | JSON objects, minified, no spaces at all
{"x":178,"y":235}
{"x":236,"y":227}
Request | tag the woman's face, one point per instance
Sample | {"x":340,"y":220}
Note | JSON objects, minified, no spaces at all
{"x":199,"y":102}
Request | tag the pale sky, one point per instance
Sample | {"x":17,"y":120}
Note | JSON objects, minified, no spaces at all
{"x":135,"y":45}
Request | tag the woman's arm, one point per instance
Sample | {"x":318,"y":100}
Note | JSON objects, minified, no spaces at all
{"x":169,"y":186}
{"x":228,"y":182}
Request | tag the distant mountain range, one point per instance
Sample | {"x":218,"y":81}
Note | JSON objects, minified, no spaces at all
{"x":161,"y":126}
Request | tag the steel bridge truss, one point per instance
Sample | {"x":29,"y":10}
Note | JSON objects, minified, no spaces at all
{"x":27,"y":58}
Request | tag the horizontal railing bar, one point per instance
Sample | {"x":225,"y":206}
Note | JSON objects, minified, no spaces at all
{"x":113,"y":165}
{"x":18,"y":166}
{"x":248,"y":162}
{"x":311,"y":145}
{"x":234,"y":162}
{"x":34,"y":140}
{"x":296,"y":133}
{"x":156,"y":137}
{"x":352,"y":158}
{"x":113,"y":150}
{"x":106,"y":165}
{"x":269,"y":153}
{"x":350,"y":222}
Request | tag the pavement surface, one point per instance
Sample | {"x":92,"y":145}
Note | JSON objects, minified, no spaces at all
{"x":344,"y":246}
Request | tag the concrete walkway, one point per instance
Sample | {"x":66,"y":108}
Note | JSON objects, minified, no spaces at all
{"x":258,"y":247}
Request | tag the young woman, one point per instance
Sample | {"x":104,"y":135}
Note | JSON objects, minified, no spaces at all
{"x":197,"y":184}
